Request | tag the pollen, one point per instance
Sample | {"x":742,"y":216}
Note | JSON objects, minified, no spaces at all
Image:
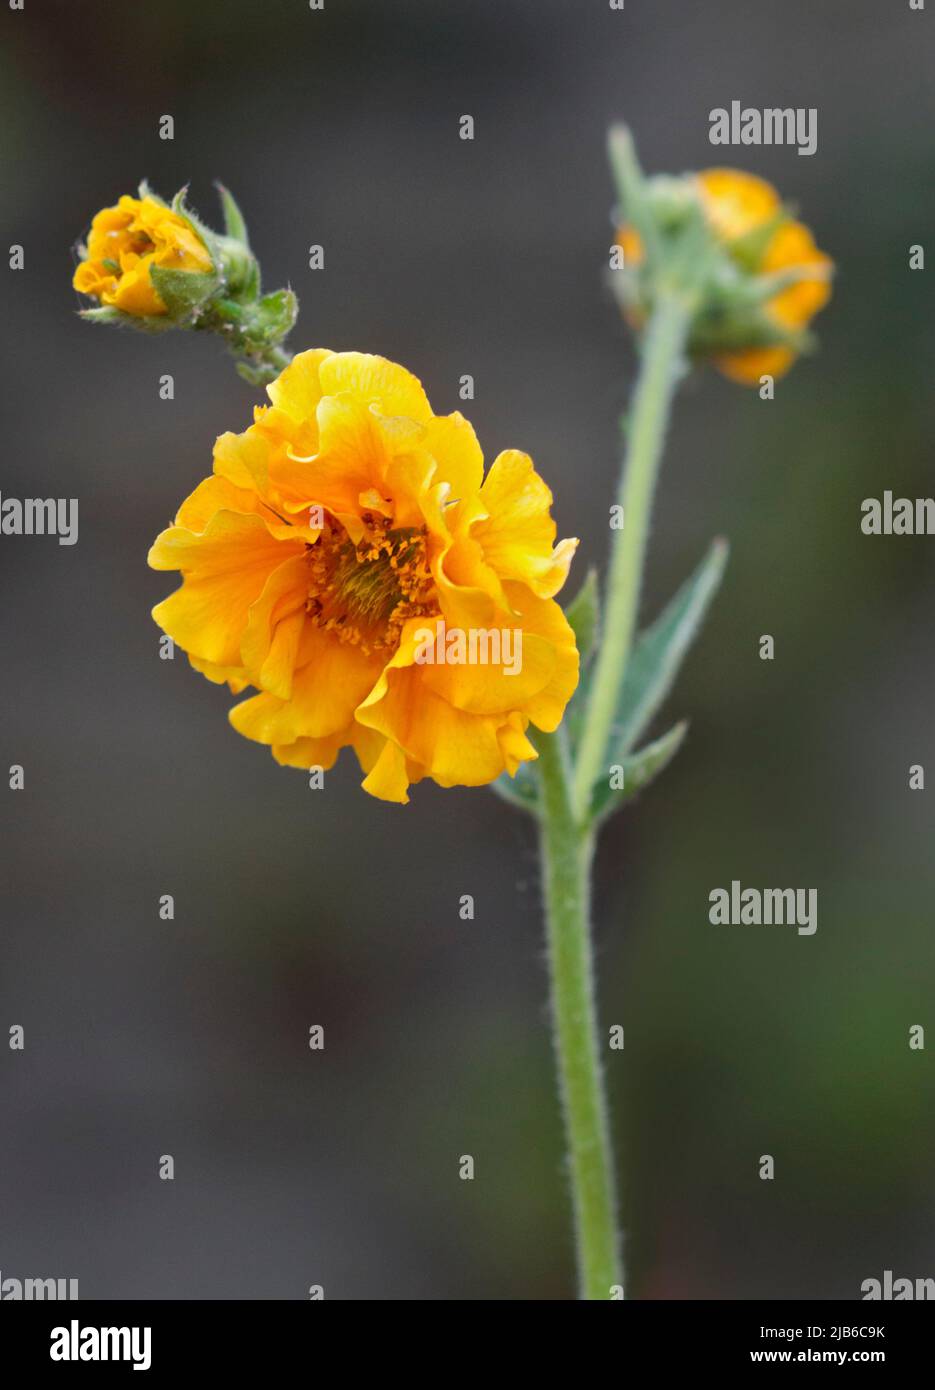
{"x":363,"y":593}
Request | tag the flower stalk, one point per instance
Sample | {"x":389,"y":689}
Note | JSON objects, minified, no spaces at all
{"x":688,"y":294}
{"x":567,"y":834}
{"x":567,"y":850}
{"x":648,"y":424}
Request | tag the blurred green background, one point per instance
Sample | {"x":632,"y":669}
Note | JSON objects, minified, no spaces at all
{"x":295,"y":907}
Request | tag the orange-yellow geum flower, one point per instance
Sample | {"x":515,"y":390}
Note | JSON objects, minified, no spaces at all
{"x":124,"y":242}
{"x":345,"y":522}
{"x":746,"y":212}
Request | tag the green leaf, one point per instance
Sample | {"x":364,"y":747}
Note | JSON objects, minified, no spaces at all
{"x":105,"y":314}
{"x":276,"y":314}
{"x":636,"y":772}
{"x":234,"y":224}
{"x":577,"y":708}
{"x":633,"y":204}
{"x":660,"y":650}
{"x":144,"y":323}
{"x":583,"y":613}
{"x":209,"y":238}
{"x":521,"y":790}
{"x":183,"y":291}
{"x":749,"y":249}
{"x":240,"y":268}
{"x":726,"y":328}
{"x":145,"y":191}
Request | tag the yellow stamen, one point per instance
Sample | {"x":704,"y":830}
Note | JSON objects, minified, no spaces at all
{"x":364,"y":593}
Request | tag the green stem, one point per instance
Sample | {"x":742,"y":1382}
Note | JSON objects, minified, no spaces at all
{"x":241,"y":325}
{"x":567,"y":852}
{"x":662,"y":353}
{"x":268,"y":363}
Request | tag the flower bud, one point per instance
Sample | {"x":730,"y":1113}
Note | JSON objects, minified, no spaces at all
{"x":755,"y":276}
{"x":147,"y":263}
{"x":155,"y":267}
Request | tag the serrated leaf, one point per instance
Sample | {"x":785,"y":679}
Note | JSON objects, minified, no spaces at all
{"x":660,"y":650}
{"x":583,"y":613}
{"x":636,"y":771}
{"x":234,"y":224}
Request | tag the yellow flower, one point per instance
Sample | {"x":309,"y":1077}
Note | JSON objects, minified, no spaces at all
{"x":747,"y":217}
{"x":342,"y":526}
{"x":125,"y":242}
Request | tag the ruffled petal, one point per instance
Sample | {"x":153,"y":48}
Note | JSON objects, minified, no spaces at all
{"x":350,"y":458}
{"x":518,"y":533}
{"x":243,"y":459}
{"x":377,"y":381}
{"x":451,"y":441}
{"x":297,"y":390}
{"x":325,"y":691}
{"x":134,"y":293}
{"x":311,"y":752}
{"x":276,"y":620}
{"x":224,"y":570}
{"x":249,"y":463}
{"x":515,"y":745}
{"x":544,"y":618}
{"x":455,"y":748}
{"x":233,"y":676}
{"x":525,"y":666}
{"x":215,"y":494}
{"x":388,"y":779}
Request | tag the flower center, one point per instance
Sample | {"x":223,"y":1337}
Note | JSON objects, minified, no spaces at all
{"x":365,"y":592}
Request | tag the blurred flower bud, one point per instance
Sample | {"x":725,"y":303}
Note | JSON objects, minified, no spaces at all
{"x":755,"y":275}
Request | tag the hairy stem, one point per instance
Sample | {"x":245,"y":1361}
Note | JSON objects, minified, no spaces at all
{"x":659,"y":372}
{"x":566,"y":854}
